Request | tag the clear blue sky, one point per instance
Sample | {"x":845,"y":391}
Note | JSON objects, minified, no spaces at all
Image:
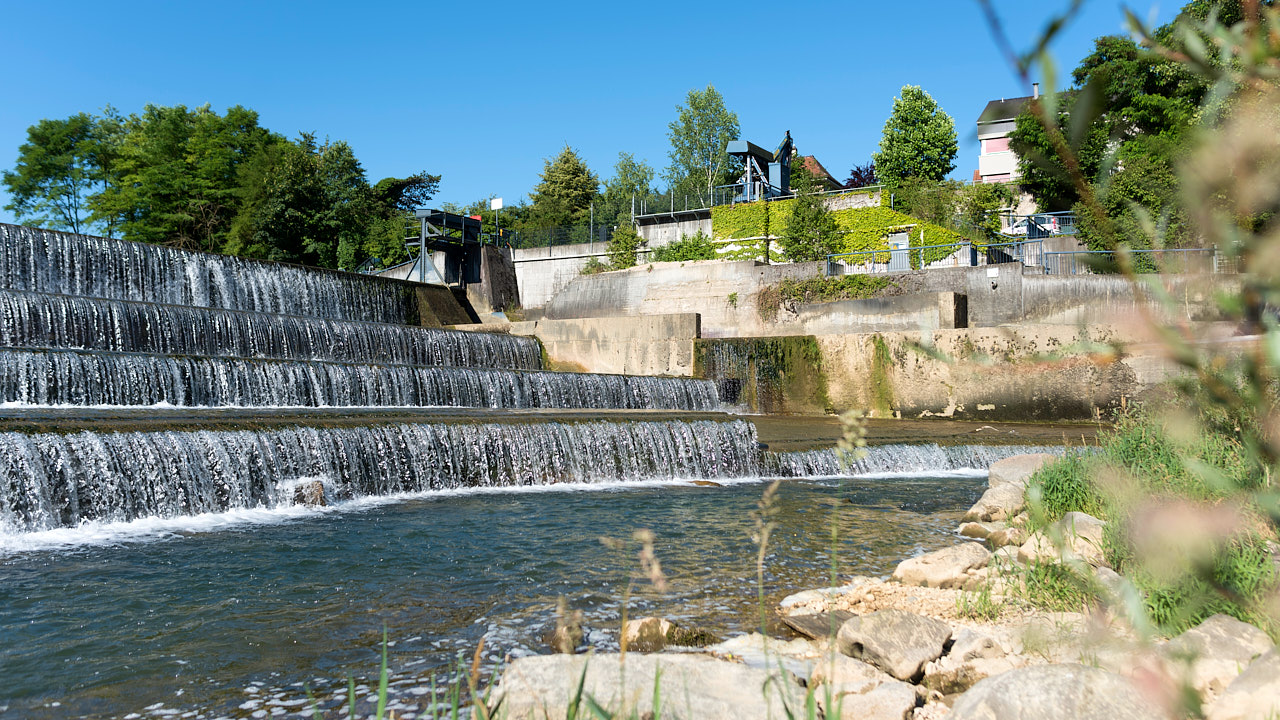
{"x":482,"y":93}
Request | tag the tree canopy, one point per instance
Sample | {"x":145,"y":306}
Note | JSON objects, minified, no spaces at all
{"x":1126,"y":118}
{"x":201,"y":180}
{"x":565,"y":194}
{"x":699,"y":135}
{"x":919,"y":140}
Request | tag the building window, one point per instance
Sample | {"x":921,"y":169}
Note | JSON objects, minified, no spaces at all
{"x":995,"y":145}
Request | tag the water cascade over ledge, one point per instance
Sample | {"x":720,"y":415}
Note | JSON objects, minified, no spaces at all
{"x":59,"y":321}
{"x":62,"y":377}
{"x":69,"y":264}
{"x":50,"y":480}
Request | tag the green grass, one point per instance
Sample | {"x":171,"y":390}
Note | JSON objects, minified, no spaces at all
{"x":1199,"y":460}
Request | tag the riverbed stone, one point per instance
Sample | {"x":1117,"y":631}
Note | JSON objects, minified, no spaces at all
{"x":1003,"y":537}
{"x":891,"y":700}
{"x":997,"y":503}
{"x":647,"y":634}
{"x":1215,"y":652}
{"x":1017,"y":470}
{"x":691,"y":686}
{"x":945,"y":568}
{"x":310,"y":493}
{"x":1254,"y":694}
{"x":1082,"y":540}
{"x":844,"y":674}
{"x":798,"y":656}
{"x":817,"y":625}
{"x":974,"y":655}
{"x":1054,"y":692}
{"x":898,"y":642}
{"x":979,"y":531}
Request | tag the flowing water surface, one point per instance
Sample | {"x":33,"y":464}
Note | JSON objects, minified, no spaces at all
{"x":243,"y":613}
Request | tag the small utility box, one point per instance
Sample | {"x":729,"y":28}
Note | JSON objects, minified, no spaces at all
{"x":899,"y":252}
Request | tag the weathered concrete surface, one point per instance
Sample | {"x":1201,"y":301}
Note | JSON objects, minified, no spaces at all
{"x":644,"y":345}
{"x":944,"y":310}
{"x":498,"y":287}
{"x":543,"y":272}
{"x":996,"y":373}
{"x":692,"y":687}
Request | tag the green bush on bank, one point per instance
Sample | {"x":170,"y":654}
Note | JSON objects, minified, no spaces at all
{"x":817,"y":289}
{"x":1141,"y":459}
{"x":687,"y":248}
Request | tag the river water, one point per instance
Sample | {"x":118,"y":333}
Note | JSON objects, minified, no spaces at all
{"x":246,"y":613}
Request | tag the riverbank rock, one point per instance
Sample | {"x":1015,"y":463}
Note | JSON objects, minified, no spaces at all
{"x":690,"y":686}
{"x":997,"y":503}
{"x":943,"y":568}
{"x":892,"y":700}
{"x":1214,"y":653}
{"x":1082,"y":536}
{"x":1255,"y":694}
{"x":1017,"y":470}
{"x":898,"y":642}
{"x":1054,"y":692}
{"x":974,"y":656}
{"x":817,"y":626}
{"x":979,"y":531}
{"x":1004,"y":537}
{"x":754,"y":650}
{"x":845,"y":675}
{"x":648,"y":634}
{"x":310,"y":493}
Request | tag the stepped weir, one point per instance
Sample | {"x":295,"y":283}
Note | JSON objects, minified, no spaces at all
{"x":93,"y":323}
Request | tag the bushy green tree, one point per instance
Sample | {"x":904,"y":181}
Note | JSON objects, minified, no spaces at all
{"x":57,"y":170}
{"x":565,"y":193}
{"x":919,"y":140}
{"x":304,"y":202}
{"x":689,"y":247}
{"x":812,"y":232}
{"x":178,"y":174}
{"x":623,"y":247}
{"x":631,"y":178}
{"x":699,"y":135}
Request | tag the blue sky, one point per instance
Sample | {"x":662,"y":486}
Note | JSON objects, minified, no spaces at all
{"x":482,"y":93}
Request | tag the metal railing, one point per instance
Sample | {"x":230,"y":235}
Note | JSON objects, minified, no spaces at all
{"x":1172,"y":260}
{"x":926,"y":257}
{"x":1039,"y":225}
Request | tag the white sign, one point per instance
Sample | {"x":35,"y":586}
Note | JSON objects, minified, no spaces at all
{"x":993,"y":272}
{"x":495,"y":204}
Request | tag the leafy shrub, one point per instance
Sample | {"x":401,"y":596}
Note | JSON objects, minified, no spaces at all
{"x":593,"y":267}
{"x":688,"y":247}
{"x":818,"y":289}
{"x":622,"y":248}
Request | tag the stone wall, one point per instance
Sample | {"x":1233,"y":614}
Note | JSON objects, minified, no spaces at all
{"x":647,"y":345}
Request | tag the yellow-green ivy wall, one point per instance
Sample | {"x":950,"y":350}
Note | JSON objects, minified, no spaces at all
{"x":864,"y":228}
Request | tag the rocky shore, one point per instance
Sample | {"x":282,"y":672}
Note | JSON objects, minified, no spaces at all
{"x":944,"y":636}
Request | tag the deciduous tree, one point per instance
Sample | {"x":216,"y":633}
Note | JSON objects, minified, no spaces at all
{"x":919,"y":140}
{"x":699,"y":134}
{"x":57,"y":171}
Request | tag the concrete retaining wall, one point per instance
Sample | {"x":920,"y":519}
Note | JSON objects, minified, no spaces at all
{"x":726,"y":295}
{"x":649,"y":345}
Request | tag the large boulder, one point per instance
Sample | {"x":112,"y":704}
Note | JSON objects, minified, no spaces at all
{"x":1081,"y":536}
{"x":1017,"y":470}
{"x":898,"y":642}
{"x":798,"y":656}
{"x":691,"y":686}
{"x":1005,"y":537}
{"x":1054,"y":692}
{"x":998,"y":503}
{"x":979,"y":531}
{"x":1255,"y":694}
{"x":945,"y":568}
{"x":1214,"y":652}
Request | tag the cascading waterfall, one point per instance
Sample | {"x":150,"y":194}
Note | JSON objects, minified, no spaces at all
{"x":57,"y":321}
{"x":52,"y":480}
{"x":898,"y":458}
{"x":68,"y":264}
{"x":63,"y":377}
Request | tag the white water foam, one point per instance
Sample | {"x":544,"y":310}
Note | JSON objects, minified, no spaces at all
{"x":154,"y":529}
